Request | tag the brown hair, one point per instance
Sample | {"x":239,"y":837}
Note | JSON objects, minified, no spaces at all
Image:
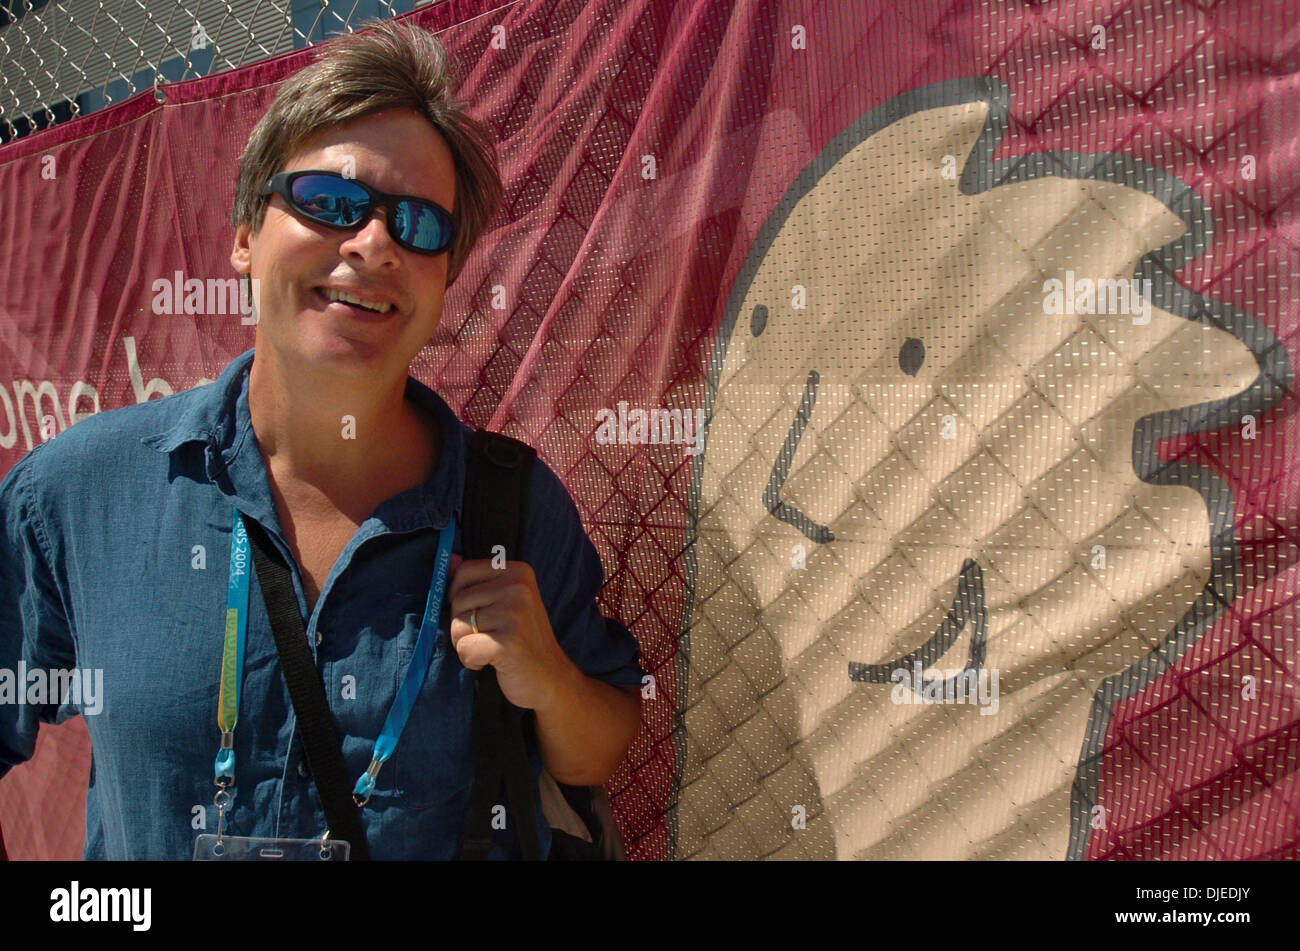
{"x":391,"y":65}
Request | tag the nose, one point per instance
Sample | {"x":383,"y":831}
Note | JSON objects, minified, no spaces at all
{"x":378,"y":218}
{"x":911,"y":355}
{"x":371,"y":238}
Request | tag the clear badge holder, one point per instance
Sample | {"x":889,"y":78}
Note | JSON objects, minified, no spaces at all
{"x":236,"y":848}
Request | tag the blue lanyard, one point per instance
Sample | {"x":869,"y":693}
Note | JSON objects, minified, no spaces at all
{"x":232,"y":654}
{"x":415,"y":670}
{"x":232,"y":661}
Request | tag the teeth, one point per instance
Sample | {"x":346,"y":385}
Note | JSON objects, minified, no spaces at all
{"x":382,"y":308}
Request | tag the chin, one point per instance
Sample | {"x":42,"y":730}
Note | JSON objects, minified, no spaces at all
{"x":347,"y":355}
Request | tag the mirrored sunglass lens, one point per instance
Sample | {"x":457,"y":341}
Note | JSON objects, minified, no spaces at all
{"x":422,"y":225}
{"x":335,"y":201}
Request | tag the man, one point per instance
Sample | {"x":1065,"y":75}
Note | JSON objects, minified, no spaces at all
{"x":116,"y":533}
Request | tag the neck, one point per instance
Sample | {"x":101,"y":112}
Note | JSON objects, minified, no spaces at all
{"x":348,"y":438}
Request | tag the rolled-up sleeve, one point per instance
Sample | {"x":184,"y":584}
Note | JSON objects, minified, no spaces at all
{"x":569,"y":575}
{"x":34,"y":630}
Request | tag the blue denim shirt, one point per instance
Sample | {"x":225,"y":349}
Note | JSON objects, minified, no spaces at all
{"x":116,"y":538}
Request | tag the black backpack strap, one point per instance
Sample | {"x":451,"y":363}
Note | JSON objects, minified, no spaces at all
{"x":494,"y":512}
{"x":307,"y":694}
{"x":476,"y":840}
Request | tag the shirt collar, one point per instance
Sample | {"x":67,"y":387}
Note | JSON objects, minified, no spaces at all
{"x":217,"y":416}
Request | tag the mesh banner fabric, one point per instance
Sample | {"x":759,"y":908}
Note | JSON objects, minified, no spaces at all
{"x":923,"y":372}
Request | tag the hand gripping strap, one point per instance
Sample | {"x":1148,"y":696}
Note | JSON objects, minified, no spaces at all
{"x":494,"y":511}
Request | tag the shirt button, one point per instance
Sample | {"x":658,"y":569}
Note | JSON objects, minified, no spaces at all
{"x":319,"y":637}
{"x":302,"y":768}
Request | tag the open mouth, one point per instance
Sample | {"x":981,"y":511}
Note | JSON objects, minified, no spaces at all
{"x":351,"y":306}
{"x":967,"y":608}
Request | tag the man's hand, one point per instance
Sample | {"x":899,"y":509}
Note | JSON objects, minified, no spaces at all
{"x":515,"y":633}
{"x":584,"y":725}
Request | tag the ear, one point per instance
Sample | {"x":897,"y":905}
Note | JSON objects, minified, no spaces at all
{"x":241,"y":255}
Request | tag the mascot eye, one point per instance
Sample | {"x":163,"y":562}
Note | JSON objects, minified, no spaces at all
{"x":911,"y":356}
{"x":758,"y":320}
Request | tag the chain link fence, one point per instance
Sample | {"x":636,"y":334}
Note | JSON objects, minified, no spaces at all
{"x":64,"y":58}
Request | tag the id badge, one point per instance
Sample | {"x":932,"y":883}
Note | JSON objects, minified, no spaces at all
{"x":236,"y":848}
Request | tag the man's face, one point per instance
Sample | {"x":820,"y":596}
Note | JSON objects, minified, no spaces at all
{"x":295,"y":260}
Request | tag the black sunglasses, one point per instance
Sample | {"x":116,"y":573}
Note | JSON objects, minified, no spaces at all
{"x":328,"y":198}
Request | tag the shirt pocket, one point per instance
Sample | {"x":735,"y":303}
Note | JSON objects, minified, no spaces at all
{"x":433,"y":763}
